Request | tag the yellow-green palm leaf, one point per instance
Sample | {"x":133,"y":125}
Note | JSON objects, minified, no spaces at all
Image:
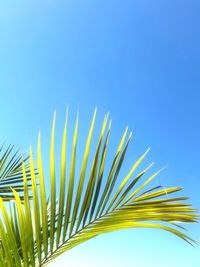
{"x":35,"y":231}
{"x":11,"y":172}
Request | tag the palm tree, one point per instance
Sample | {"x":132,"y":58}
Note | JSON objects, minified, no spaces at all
{"x":35,"y":231}
{"x":11,"y":174}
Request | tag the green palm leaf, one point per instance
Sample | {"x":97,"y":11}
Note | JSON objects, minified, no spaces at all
{"x":11,"y":172}
{"x":36,"y":231}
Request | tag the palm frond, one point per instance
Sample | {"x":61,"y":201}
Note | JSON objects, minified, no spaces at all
{"x":11,"y":172}
{"x":36,"y":231}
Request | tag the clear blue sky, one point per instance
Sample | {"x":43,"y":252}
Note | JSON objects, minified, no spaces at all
{"x":140,"y":60}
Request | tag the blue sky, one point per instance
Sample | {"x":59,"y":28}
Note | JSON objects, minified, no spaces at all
{"x":139,"y":60}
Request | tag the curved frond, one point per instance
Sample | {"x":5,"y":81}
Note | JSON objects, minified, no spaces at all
{"x":37,"y":230}
{"x":11,"y":172}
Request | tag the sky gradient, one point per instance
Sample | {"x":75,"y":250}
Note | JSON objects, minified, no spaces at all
{"x":139,"y":60}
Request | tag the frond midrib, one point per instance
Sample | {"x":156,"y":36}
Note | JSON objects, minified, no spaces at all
{"x":106,"y":216}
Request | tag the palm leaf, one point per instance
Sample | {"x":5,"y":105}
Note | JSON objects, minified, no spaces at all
{"x":36,"y":231}
{"x":11,"y":172}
